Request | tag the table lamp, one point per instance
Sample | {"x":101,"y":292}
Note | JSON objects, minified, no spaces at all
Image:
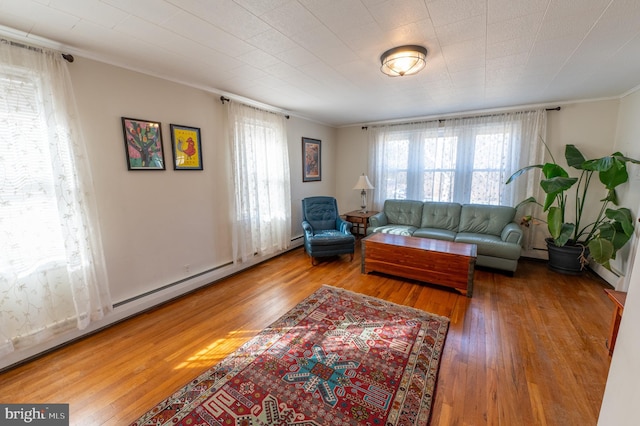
{"x":363,"y":184}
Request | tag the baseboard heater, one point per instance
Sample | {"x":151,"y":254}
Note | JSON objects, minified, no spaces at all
{"x":173,"y":284}
{"x":192,"y":277}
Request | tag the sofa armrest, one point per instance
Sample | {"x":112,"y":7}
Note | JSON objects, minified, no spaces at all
{"x":343,"y":226}
{"x":378,"y":219}
{"x":512,"y":233}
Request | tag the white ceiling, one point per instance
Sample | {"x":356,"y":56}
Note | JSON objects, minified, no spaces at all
{"x":320,"y":59}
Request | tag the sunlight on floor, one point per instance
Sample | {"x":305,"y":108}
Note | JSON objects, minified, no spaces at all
{"x":217,"y":351}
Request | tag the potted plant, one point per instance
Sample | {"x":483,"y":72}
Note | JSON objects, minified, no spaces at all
{"x":601,"y":238}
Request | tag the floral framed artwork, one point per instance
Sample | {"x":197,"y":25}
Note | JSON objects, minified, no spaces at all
{"x":186,"y":147}
{"x":311,"y":160}
{"x":143,"y":144}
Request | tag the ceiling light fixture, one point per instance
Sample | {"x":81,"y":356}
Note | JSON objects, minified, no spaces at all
{"x":403,"y":60}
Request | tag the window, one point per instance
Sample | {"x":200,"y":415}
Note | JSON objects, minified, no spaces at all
{"x":51,"y":276}
{"x":29,"y":212}
{"x":262,"y":207}
{"x":458,"y":160}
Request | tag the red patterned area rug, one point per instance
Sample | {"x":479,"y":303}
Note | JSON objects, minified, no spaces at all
{"x":337,"y":358}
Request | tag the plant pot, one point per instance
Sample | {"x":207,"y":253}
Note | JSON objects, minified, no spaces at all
{"x":569,"y":259}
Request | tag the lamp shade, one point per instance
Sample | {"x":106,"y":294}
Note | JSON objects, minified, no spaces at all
{"x":363,"y":183}
{"x":403,"y":60}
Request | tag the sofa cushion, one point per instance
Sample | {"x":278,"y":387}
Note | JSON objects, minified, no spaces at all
{"x":331,"y":237}
{"x":490,"y":245}
{"x":484,"y":219}
{"x":396,"y":230}
{"x":441,"y":215}
{"x":403,"y":212}
{"x":435,"y":233}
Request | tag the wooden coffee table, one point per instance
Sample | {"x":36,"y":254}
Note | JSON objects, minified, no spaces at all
{"x":438,"y":262}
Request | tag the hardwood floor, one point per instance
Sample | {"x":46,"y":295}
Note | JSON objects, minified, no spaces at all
{"x":525,"y":350}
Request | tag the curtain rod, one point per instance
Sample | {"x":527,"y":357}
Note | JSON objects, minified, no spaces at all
{"x":223,"y":100}
{"x":67,"y":56}
{"x":455,"y":118}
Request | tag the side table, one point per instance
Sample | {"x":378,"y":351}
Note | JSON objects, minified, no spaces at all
{"x":359,"y":219}
{"x":618,"y":298}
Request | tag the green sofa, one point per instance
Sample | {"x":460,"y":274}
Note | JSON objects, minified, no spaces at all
{"x":491,"y":228}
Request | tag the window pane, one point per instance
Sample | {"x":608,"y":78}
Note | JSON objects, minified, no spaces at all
{"x":489,"y":163}
{"x":490,"y":151}
{"x":397,"y":185}
{"x":438,"y":186}
{"x":486,"y":188}
{"x":28,"y":195}
{"x":439,"y":168}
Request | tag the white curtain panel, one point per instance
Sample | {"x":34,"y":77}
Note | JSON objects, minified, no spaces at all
{"x":261,"y":212}
{"x":52,"y":272}
{"x":463,"y":160}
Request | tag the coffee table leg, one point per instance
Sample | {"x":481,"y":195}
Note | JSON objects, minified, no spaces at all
{"x":472,"y":264}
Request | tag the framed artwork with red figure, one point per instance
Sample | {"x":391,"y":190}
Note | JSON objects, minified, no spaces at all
{"x":186,"y":147}
{"x":143,"y":144}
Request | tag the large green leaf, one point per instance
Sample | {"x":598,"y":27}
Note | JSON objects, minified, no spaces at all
{"x":554,"y":222}
{"x":557,"y":184}
{"x":601,"y":250}
{"x":613,"y":233}
{"x":566,"y":233}
{"x":527,"y":201}
{"x":623,"y":217}
{"x":624,"y":159}
{"x":549,"y":199}
{"x":522,"y":171}
{"x":599,"y":164}
{"x":615,"y":175}
{"x":573,"y":156}
{"x":560,"y":231}
{"x":551,"y":170}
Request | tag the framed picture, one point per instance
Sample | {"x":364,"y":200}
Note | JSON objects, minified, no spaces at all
{"x":143,"y":144}
{"x":311,"y":160}
{"x":186,"y":147}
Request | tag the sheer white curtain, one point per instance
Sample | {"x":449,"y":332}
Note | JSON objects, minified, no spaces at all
{"x":491,"y":148}
{"x":397,"y":161}
{"x":52,"y":275}
{"x":262,"y":199}
{"x":464,"y":160}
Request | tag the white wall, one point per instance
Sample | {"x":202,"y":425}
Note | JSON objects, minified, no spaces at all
{"x":298,"y":129}
{"x":352,"y":160}
{"x":182,"y":212}
{"x":622,"y":393}
{"x":628,"y":143}
{"x":156,"y":222}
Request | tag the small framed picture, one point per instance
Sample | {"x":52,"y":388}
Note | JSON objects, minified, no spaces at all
{"x":186,"y":147}
{"x":311,"y":160}
{"x":143,"y":144}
